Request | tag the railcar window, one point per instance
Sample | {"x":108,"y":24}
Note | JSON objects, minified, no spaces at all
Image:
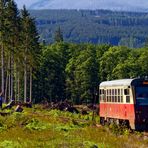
{"x":142,"y":95}
{"x":102,"y":97}
{"x":114,"y":95}
{"x":104,"y":92}
{"x":127,"y":99}
{"x":109,"y":99}
{"x":112,"y":92}
{"x":118,"y":91}
{"x":115,"y":91}
{"x":121,"y":98}
{"x":126,"y":91}
{"x":118,"y":98}
{"x":107,"y":94}
{"x":100,"y":91}
{"x":121,"y":92}
{"x":115,"y":98}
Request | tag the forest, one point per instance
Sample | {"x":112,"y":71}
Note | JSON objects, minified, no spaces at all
{"x":74,"y":71}
{"x":20,"y":50}
{"x":93,"y":26}
{"x":60,"y":70}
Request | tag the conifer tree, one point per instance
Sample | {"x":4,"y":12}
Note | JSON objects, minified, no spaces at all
{"x":30,"y":48}
{"x":58,"y":35}
{"x":2,"y":39}
{"x":12,"y":21}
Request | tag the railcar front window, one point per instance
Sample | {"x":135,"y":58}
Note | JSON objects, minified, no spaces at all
{"x":142,"y":95}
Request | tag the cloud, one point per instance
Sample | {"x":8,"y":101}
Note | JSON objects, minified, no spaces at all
{"x":85,"y":4}
{"x":27,"y":3}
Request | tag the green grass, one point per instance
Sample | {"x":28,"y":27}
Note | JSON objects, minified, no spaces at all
{"x":55,"y":129}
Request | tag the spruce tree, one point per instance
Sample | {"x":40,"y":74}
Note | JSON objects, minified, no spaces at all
{"x":30,"y":48}
{"x":12,"y":21}
{"x":2,"y":39}
{"x":58,"y":35}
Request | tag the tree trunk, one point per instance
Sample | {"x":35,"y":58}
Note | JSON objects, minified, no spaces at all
{"x":9,"y":77}
{"x":6,"y":88}
{"x":2,"y":69}
{"x":18,"y":89}
{"x":25,"y":80}
{"x":31,"y":84}
{"x":12,"y":70}
{"x":16,"y":78}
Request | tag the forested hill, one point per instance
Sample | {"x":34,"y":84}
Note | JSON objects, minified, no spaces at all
{"x":98,"y":26}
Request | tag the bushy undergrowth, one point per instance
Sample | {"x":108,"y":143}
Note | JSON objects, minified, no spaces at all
{"x":54,"y":128}
{"x":119,"y":129}
{"x":35,"y":124}
{"x":10,"y":144}
{"x":89,"y":144}
{"x":2,"y":126}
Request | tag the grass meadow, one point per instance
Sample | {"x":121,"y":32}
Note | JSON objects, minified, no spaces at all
{"x":36,"y":127}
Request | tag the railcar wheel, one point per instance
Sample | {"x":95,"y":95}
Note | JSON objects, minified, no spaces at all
{"x":102,"y":121}
{"x":125,"y":123}
{"x":117,"y":122}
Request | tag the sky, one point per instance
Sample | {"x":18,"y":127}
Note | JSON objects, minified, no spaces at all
{"x":85,"y":4}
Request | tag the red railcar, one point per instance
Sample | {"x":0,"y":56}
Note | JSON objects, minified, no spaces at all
{"x":125,"y":101}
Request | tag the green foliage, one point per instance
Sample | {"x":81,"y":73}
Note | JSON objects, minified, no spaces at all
{"x":74,"y":71}
{"x":65,"y":128}
{"x":13,"y":120}
{"x":35,"y":124}
{"x":89,"y":144}
{"x":111,"y":59}
{"x":61,"y":129}
{"x":19,"y":48}
{"x":80,"y":80}
{"x":51,"y":74}
{"x":3,"y":127}
{"x":10,"y":144}
{"x":119,"y":129}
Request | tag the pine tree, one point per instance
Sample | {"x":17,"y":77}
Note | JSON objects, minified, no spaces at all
{"x":12,"y":21}
{"x":2,"y":39}
{"x":30,"y":48}
{"x":58,"y":35}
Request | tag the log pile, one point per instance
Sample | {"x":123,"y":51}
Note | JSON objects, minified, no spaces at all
{"x":64,"y":106}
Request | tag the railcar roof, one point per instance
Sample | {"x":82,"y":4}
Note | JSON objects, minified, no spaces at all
{"x":122,"y":82}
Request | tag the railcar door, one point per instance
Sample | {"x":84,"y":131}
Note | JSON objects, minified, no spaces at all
{"x":102,"y":103}
{"x":141,"y":107}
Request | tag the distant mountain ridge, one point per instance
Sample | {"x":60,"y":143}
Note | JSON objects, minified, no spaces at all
{"x":117,"y":5}
{"x":93,"y":26}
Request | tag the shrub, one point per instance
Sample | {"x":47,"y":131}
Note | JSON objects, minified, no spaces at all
{"x":89,"y":144}
{"x":3,"y":126}
{"x":35,"y":124}
{"x":119,"y":129}
{"x":10,"y":144}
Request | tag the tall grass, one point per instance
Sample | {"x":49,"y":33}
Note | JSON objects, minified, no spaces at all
{"x":45,"y":128}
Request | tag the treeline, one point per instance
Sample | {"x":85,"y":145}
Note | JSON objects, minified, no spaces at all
{"x":74,"y":71}
{"x":97,"y":26}
{"x":19,"y":50}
